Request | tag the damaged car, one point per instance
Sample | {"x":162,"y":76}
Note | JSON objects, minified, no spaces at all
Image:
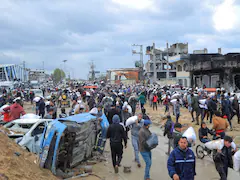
{"x":27,"y":132}
{"x":68,"y":141}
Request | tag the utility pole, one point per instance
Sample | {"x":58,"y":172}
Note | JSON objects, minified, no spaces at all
{"x":167,"y":63}
{"x":64,"y":68}
{"x":92,"y":67}
{"x":154,"y":64}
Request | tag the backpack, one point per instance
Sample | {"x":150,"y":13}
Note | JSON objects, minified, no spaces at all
{"x":152,"y":141}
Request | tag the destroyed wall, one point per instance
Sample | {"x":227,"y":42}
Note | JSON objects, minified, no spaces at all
{"x":215,"y":70}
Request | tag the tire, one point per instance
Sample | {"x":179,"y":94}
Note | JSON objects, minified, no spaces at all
{"x":199,"y":152}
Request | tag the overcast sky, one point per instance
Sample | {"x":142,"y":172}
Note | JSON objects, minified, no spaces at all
{"x":103,"y":30}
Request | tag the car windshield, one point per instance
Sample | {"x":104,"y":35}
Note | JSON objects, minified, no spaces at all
{"x":18,"y":127}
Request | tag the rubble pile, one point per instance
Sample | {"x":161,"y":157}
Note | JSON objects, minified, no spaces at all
{"x":16,"y":163}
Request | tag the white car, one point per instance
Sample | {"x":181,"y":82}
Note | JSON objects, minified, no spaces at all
{"x":27,"y":132}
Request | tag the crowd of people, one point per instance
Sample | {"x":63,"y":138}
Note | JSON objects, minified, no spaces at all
{"x":119,"y":103}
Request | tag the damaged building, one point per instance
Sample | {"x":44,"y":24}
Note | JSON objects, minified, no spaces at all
{"x":215,"y":70}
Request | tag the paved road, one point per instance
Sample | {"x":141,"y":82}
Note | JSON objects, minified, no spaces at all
{"x":205,"y":168}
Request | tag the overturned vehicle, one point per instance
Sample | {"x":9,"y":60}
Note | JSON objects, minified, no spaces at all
{"x":66,"y":142}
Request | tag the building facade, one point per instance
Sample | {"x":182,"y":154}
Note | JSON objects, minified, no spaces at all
{"x":161,"y":67}
{"x":37,"y":75}
{"x":182,"y":75}
{"x":215,"y":70}
{"x":12,"y":72}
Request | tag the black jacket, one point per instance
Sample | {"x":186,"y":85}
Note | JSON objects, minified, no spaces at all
{"x":204,"y":132}
{"x":224,"y":159}
{"x":212,"y":105}
{"x":116,"y":134}
{"x":41,"y":106}
{"x":167,"y":129}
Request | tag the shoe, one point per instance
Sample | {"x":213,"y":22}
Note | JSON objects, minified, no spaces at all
{"x":116,"y":169}
{"x":193,"y":120}
{"x":139,"y":165}
{"x":167,"y":153}
{"x":197,"y":123}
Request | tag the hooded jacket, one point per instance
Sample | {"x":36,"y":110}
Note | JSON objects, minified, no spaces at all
{"x":116,"y":131}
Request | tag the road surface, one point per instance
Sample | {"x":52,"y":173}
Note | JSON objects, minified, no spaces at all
{"x":205,"y":168}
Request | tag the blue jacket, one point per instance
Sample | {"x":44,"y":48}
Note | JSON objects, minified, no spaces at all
{"x":182,"y":163}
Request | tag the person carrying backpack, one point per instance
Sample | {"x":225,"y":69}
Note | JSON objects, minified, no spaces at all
{"x":168,"y":130}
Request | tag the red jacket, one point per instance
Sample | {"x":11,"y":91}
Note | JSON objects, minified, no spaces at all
{"x":155,"y":98}
{"x":15,"y":111}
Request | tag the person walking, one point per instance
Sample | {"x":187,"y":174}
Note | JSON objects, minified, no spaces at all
{"x":235,"y":108}
{"x":154,"y":101}
{"x":116,"y":134}
{"x":195,"y":108}
{"x":182,"y":162}
{"x":168,"y":130}
{"x":144,"y":135}
{"x":223,"y":158}
{"x":212,"y":106}
{"x":41,"y":108}
{"x":226,"y":109}
{"x":142,"y":100}
{"x":135,"y":137}
{"x":177,"y":110}
{"x":166,"y":103}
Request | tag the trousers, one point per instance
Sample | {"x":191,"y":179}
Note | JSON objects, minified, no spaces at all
{"x":135,"y":144}
{"x":147,"y":157}
{"x":116,"y":152}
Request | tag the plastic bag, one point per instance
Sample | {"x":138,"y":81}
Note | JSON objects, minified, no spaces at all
{"x":3,"y":107}
{"x":173,"y":101}
{"x":30,"y":116}
{"x":202,"y":101}
{"x":152,"y":141}
{"x":131,"y":120}
{"x":215,"y":144}
{"x":236,"y":161}
{"x":190,"y":135}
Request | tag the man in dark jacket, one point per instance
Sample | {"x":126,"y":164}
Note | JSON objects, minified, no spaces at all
{"x":223,"y":158}
{"x":168,"y":130}
{"x":41,"y":108}
{"x":235,"y":108}
{"x":116,"y":134}
{"x":212,"y":106}
{"x":195,"y":108}
{"x":181,"y":162}
{"x":226,"y":109}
